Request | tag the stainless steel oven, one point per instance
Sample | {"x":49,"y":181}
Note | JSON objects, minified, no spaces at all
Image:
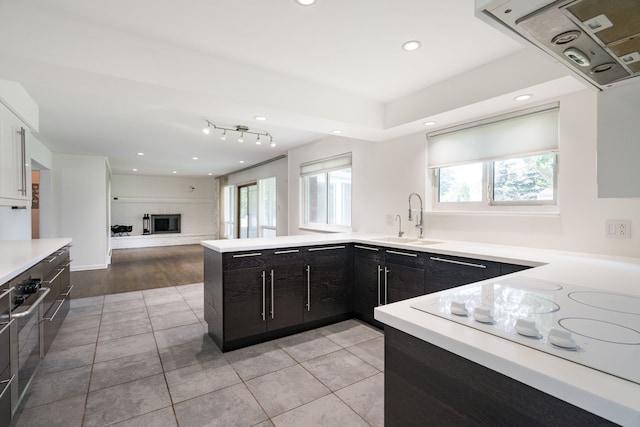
{"x":6,"y":375}
{"x":29,"y":298}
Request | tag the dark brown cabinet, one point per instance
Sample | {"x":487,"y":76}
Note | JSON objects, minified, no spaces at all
{"x":445,"y":272}
{"x":329,"y":276}
{"x":404,"y":275}
{"x":249,"y":295}
{"x":383,"y":276}
{"x":368,"y":265}
{"x":254,"y":296}
{"x":57,"y":277}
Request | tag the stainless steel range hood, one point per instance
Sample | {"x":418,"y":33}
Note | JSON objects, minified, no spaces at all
{"x":599,"y":40}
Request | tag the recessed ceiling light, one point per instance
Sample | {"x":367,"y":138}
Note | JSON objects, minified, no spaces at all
{"x":195,"y":158}
{"x":336,"y":131}
{"x":140,"y":154}
{"x":260,"y":118}
{"x":241,"y":161}
{"x":174,"y":172}
{"x":210,"y":173}
{"x":523,"y":97}
{"x":411,"y":45}
{"x":431,"y":123}
{"x":305,"y":2}
{"x":134,"y":169}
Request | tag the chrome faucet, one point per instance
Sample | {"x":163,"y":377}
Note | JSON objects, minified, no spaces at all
{"x":400,"y":232}
{"x":419,"y":220}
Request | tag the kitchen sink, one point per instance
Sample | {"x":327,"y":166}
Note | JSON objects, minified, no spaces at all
{"x":424,"y":242}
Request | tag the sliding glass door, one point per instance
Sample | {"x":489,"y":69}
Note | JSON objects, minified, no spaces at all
{"x":248,"y":211}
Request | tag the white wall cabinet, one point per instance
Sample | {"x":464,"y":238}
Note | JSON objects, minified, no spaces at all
{"x":619,"y":141}
{"x":15,"y":172}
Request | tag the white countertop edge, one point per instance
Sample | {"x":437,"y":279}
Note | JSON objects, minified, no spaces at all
{"x":608,"y":396}
{"x":17,"y":256}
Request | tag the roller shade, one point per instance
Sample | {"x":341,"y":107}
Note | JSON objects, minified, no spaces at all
{"x":326,"y":165}
{"x":507,"y":136}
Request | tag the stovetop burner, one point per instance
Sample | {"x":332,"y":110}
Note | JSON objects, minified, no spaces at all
{"x":595,"y":328}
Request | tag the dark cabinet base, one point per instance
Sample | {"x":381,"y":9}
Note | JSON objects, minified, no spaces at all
{"x":426,"y":385}
{"x":229,"y":345}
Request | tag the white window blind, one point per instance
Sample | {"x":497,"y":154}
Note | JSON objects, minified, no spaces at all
{"x":341,"y":161}
{"x":525,"y":132}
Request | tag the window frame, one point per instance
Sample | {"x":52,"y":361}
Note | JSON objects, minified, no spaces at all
{"x":488,"y":203}
{"x":324,"y":167}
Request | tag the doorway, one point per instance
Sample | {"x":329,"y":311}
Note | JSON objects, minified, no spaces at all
{"x":248,"y":210}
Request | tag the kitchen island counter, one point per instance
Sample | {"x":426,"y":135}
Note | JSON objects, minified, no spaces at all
{"x":606,"y":395}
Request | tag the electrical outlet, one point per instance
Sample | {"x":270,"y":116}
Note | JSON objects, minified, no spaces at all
{"x":618,"y":229}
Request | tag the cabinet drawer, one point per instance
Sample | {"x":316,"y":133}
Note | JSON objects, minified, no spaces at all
{"x":5,"y":345}
{"x":368,"y":252}
{"x":445,"y":272}
{"x":282,"y":256}
{"x":240,"y":260}
{"x":50,"y":263}
{"x":327,"y":253}
{"x":404,"y":257}
{"x":5,"y":396}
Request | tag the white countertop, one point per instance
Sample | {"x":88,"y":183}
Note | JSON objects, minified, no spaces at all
{"x":17,"y":256}
{"x":606,"y":395}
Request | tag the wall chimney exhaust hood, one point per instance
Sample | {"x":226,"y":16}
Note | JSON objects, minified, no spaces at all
{"x":598,"y":40}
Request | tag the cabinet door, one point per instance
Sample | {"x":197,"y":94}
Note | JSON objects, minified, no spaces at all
{"x":328,"y":278}
{"x":445,"y":272}
{"x":245,"y":292}
{"x":15,"y":177}
{"x":404,"y":275}
{"x":368,"y":263}
{"x":285,"y":287}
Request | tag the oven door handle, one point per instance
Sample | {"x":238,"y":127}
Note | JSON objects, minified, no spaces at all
{"x":43,"y":294}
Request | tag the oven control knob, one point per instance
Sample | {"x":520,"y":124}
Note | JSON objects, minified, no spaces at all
{"x":459,"y":308}
{"x":562,"y":338}
{"x":483,"y":315}
{"x":527,"y":328}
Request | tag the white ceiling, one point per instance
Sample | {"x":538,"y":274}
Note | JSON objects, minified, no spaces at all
{"x":119,"y":77}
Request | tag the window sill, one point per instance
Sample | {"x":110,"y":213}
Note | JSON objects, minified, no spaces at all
{"x":540,"y":214}
{"x":323,"y":228}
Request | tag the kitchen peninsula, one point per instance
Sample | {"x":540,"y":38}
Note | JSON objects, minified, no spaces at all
{"x":608,"y":396}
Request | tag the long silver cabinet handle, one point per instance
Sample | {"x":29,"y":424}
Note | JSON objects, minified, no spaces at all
{"x":55,"y":313}
{"x":52,"y":259}
{"x":290,"y":251}
{"x":247,"y":255}
{"x":308,"y":288}
{"x":6,"y":293}
{"x":56,"y":276}
{"x":264,"y":295}
{"x":272,"y":286}
{"x":452,"y":261}
{"x":379,"y":271}
{"x":43,"y":293}
{"x":326,"y":248}
{"x":23,"y":159}
{"x":366,"y":247}
{"x":7,"y":386}
{"x":386,"y":272}
{"x":6,"y":326}
{"x":401,"y":253}
{"x":66,"y":294}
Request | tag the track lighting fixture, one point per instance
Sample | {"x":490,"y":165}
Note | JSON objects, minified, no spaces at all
{"x":240,"y":129}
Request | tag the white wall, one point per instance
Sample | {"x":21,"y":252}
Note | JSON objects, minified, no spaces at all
{"x":384,"y":174}
{"x":277,"y":169}
{"x":80,"y":206}
{"x":195,"y":198}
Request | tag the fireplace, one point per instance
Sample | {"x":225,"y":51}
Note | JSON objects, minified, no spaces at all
{"x":165,"y":224}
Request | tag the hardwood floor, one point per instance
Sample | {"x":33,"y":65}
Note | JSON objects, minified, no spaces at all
{"x":140,"y":269}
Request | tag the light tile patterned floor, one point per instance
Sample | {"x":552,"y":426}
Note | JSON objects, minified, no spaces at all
{"x":144,"y":359}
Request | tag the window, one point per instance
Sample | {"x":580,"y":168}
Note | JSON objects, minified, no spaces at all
{"x":267,"y":207}
{"x":326,"y":193}
{"x":507,"y":161}
{"x":228,"y":211}
{"x":249,"y":210}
